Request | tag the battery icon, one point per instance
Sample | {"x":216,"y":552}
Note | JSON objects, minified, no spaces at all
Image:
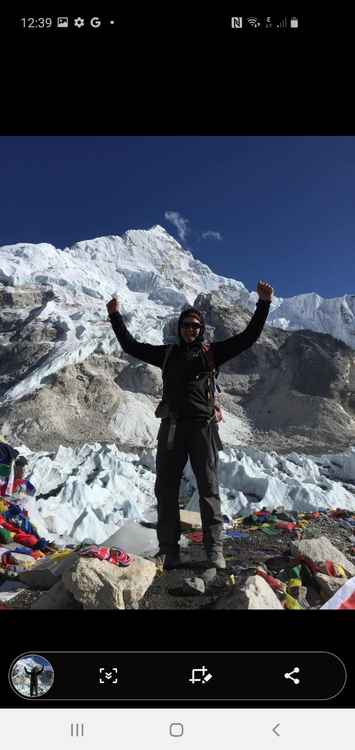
{"x":294,"y":22}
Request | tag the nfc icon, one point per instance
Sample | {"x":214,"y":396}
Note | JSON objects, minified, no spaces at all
{"x":236,"y":22}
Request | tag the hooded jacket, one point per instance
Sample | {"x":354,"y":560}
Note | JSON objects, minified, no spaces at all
{"x":185,"y":380}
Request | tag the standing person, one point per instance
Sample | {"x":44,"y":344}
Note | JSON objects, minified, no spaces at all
{"x":20,"y":484}
{"x":34,"y":673}
{"x":189,"y":428}
{"x":7,"y":452}
{"x":8,"y":455}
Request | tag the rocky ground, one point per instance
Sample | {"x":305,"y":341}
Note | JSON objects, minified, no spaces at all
{"x":260,"y":573}
{"x":243,"y":556}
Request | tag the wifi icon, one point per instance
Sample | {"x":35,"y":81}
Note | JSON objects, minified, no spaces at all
{"x":253,"y":22}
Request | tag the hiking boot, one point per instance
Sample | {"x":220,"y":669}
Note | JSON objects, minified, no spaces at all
{"x":216,"y":557}
{"x":169,"y":560}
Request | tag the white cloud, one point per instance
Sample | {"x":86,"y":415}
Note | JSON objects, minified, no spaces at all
{"x":212,"y":236}
{"x":179,"y":222}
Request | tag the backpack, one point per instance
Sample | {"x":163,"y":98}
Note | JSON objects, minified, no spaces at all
{"x":162,"y":410}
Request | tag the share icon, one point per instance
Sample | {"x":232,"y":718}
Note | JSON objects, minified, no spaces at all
{"x":288,"y":676}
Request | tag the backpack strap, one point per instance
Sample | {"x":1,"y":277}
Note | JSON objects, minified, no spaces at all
{"x":213,"y":374}
{"x":172,"y":418}
{"x":166,"y":357}
{"x":207,"y":349}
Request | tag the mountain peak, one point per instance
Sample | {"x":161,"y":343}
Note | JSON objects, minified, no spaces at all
{"x":158,"y":229}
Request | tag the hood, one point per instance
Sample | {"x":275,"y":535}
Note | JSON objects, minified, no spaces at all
{"x":199,"y":315}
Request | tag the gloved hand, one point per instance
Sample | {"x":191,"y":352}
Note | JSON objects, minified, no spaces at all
{"x":112,"y":306}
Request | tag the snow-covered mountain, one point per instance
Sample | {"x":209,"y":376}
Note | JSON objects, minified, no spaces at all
{"x":334,"y":316}
{"x":153,"y":275}
{"x":64,"y":378}
{"x":153,"y":263}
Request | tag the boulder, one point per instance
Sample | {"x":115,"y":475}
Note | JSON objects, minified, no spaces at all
{"x":255,"y":593}
{"x":190,"y":587}
{"x":134,"y":539}
{"x":320,"y":550}
{"x":329,"y":585}
{"x":190,"y":520}
{"x":47,"y":571}
{"x":195,"y":584}
{"x":97,"y":584}
{"x":209,"y":576}
{"x":56,"y":598}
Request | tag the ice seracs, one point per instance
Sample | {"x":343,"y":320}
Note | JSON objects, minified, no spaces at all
{"x":92,"y":490}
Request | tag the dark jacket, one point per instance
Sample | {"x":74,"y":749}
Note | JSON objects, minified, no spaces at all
{"x":186,"y":372}
{"x":34,"y":673}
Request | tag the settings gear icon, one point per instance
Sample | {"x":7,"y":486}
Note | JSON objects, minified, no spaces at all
{"x":79,"y":22}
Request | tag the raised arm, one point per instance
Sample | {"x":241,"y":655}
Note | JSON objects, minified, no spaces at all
{"x":225,"y":350}
{"x":150,"y":353}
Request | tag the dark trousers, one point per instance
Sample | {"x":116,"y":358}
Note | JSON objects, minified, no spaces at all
{"x":199,"y":442}
{"x":34,"y":688}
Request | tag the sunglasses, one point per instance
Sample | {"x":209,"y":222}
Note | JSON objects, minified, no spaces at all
{"x":194,"y":326}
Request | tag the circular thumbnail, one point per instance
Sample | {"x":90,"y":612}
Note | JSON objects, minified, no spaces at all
{"x":32,"y":676}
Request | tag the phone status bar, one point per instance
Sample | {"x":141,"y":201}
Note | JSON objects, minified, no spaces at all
{"x":253,"y":23}
{"x":80,"y":23}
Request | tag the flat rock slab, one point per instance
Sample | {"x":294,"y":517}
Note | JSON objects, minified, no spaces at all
{"x":134,"y":539}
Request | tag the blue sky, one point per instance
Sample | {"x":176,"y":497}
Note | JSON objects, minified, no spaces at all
{"x":279,"y":208}
{"x":38,"y":659}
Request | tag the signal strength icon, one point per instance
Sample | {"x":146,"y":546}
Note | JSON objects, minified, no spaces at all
{"x":252,"y":21}
{"x":283,"y":24}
